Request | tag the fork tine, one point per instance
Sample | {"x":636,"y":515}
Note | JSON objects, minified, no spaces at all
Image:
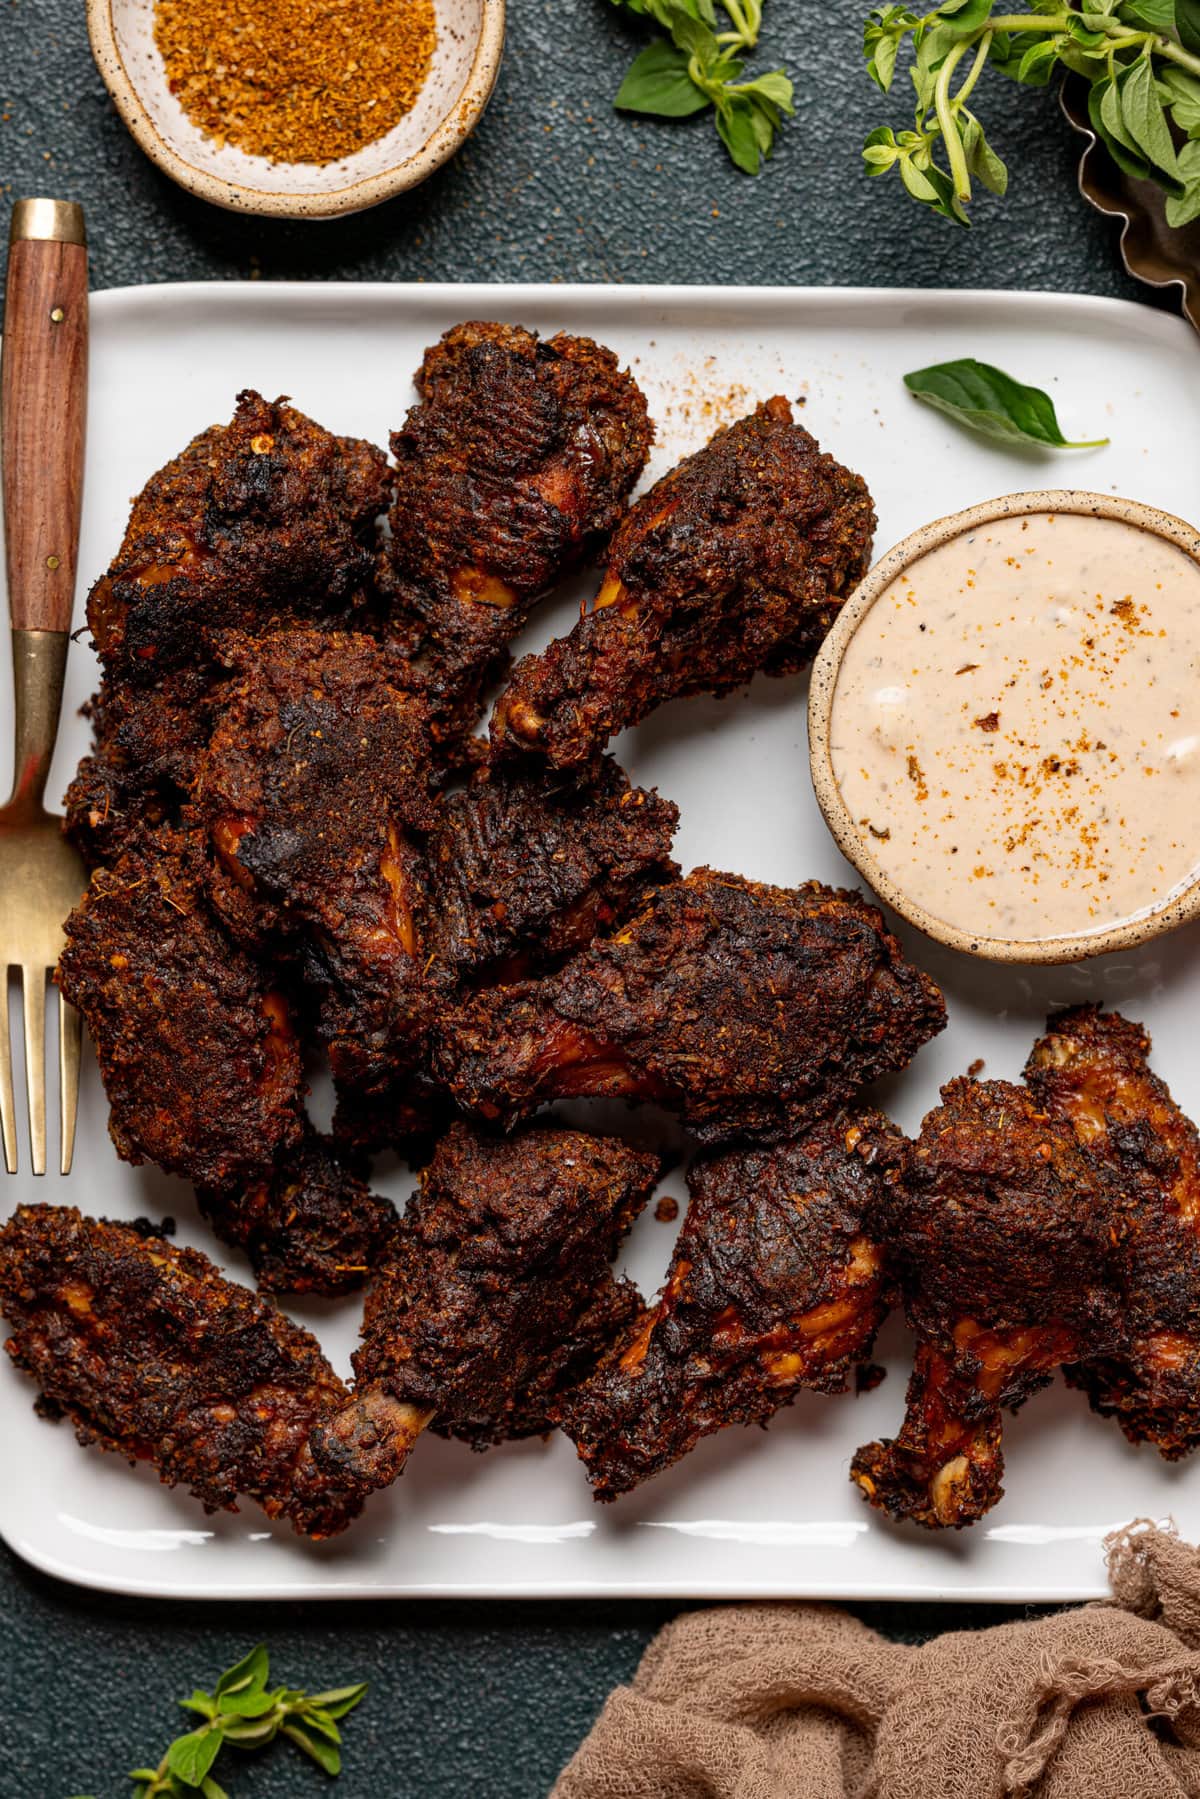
{"x":70,"y":1032}
{"x":8,"y":1110}
{"x":33,"y":986}
{"x":69,"y":1042}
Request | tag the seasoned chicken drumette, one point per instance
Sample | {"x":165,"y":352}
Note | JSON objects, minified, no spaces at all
{"x":1004,"y":1243}
{"x":778,"y":1284}
{"x":498,"y":1294}
{"x":267,"y":520}
{"x":733,"y":563}
{"x":511,"y":471}
{"x":1090,"y":1071}
{"x":197,"y":1051}
{"x":313,"y":786}
{"x":310,"y":1224}
{"x":151,"y":1353}
{"x":749,"y":1010}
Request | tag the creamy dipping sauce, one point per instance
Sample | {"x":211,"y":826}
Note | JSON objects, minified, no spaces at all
{"x":1015,"y":728}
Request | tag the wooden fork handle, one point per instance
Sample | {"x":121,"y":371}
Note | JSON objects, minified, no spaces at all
{"x":43,"y":410}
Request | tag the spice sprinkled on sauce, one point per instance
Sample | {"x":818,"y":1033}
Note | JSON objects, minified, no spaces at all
{"x":1016,"y":726}
{"x":296,"y":80}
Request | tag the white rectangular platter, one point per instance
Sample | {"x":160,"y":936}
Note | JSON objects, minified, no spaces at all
{"x":750,"y":1513}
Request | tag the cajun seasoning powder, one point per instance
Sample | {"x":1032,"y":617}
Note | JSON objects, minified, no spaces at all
{"x":296,"y":80}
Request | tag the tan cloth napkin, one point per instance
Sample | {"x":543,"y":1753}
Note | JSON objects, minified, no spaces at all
{"x":804,"y":1702}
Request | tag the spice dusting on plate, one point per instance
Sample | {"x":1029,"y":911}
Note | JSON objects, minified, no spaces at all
{"x":1015,"y":728}
{"x":305,"y":81}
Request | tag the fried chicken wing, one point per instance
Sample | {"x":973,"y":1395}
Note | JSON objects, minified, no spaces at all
{"x":269,"y":517}
{"x":511,"y":471}
{"x":310,"y":1224}
{"x":778,"y":1284}
{"x":523,"y":871}
{"x":1090,"y":1070}
{"x":195,"y":1043}
{"x":499,"y":1293}
{"x":153,"y":1354}
{"x":1005,"y":1246}
{"x":147,"y":743}
{"x":733,"y":563}
{"x":750,"y":1010}
{"x":313,"y":784}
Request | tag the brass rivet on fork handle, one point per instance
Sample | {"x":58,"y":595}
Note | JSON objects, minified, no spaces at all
{"x":43,"y":398}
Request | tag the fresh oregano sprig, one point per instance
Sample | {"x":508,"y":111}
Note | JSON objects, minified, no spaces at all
{"x":243,"y":1710}
{"x":1140,"y":58}
{"x":699,"y":64}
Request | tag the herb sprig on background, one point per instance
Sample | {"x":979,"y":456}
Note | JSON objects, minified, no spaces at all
{"x":244,"y":1711}
{"x":699,"y":64}
{"x":1141,"y":59}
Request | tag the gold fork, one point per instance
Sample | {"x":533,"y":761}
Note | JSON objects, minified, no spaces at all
{"x":43,"y":400}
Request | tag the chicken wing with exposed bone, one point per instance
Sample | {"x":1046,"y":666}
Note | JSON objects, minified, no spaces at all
{"x":196,"y":1046}
{"x":749,"y":1010}
{"x":511,"y":471}
{"x":152,"y":1353}
{"x":498,"y":1294}
{"x":778,"y":1284}
{"x":1005,"y":1247}
{"x":1090,"y":1070}
{"x":735,"y":562}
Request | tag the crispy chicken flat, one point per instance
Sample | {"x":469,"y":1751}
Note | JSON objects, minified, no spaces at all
{"x":314,"y":782}
{"x":498,"y":1294}
{"x":310,"y":1224}
{"x":1090,"y":1070}
{"x":196,"y":1047}
{"x":733,"y":563}
{"x":524,"y":870}
{"x":778,"y":1283}
{"x":1004,"y":1244}
{"x":151,"y":1353}
{"x":511,"y":471}
{"x":265,"y":519}
{"x":749,"y":1010}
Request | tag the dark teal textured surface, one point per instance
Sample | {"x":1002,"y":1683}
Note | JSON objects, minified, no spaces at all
{"x":480,"y":1700}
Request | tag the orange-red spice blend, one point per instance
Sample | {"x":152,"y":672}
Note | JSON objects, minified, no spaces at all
{"x":296,"y":80}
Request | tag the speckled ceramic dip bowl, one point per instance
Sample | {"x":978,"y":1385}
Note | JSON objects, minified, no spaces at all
{"x":1179,"y":908}
{"x":470,"y":39}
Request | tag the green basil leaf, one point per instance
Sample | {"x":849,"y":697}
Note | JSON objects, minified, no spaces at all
{"x":250,"y":1703}
{"x":989,"y":401}
{"x":324,"y":1754}
{"x":965,"y":16}
{"x":880,"y":150}
{"x":339,"y":1700}
{"x":1184,"y":207}
{"x":252,"y":1671}
{"x":657,"y":81}
{"x":737,"y":131}
{"x":982,"y":160}
{"x":1144,"y":118}
{"x":917,"y":182}
{"x":1037,"y":64}
{"x":774,"y":87}
{"x":314,"y":1718}
{"x":190,"y":1757}
{"x":200,"y":1702}
{"x":881,"y":48}
{"x":1152,"y":15}
{"x":1104,"y":111}
{"x":1187,"y":24}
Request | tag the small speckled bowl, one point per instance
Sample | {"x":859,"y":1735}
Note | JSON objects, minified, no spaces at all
{"x":1183,"y":906}
{"x":470,"y":39}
